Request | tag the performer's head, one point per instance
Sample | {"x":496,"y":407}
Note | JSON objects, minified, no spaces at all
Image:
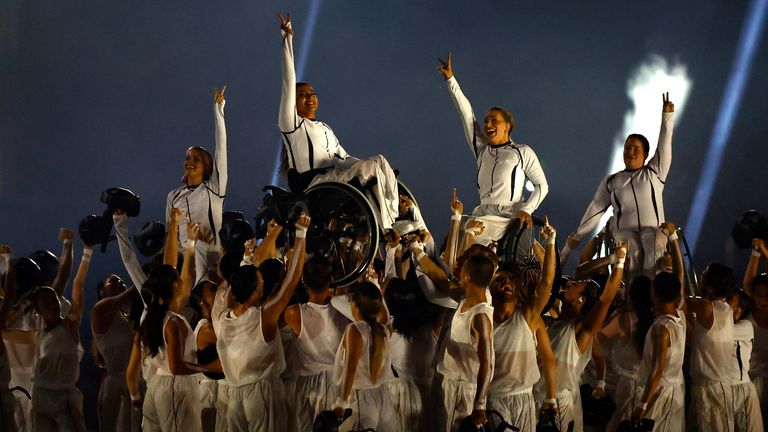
{"x":507,"y":285}
{"x":666,"y":290}
{"x":47,"y":304}
{"x":717,"y":280}
{"x":110,"y":286}
{"x":498,"y":125}
{"x":476,"y":273}
{"x":760,"y":292}
{"x":636,"y":148}
{"x":306,"y":100}
{"x":198,"y":166}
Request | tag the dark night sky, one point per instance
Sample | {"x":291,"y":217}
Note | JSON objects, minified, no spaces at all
{"x":102,"y":94}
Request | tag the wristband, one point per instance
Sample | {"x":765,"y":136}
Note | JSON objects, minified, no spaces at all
{"x":417,"y":245}
{"x":357,"y":246}
{"x":456,"y":217}
{"x":600,"y":384}
{"x":341,"y":403}
{"x":613,"y":259}
{"x":87,"y":252}
{"x":479,"y":405}
{"x":135,"y":397}
{"x":301,"y":232}
{"x":550,"y":241}
{"x":643,"y":406}
{"x":552,"y":401}
{"x":755,"y":253}
{"x":191,"y":243}
{"x":66,"y":242}
{"x":620,"y":265}
{"x":473,"y":231}
{"x":420,"y":256}
{"x":673,"y":237}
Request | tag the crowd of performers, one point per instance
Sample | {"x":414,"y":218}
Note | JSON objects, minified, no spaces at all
{"x":255,"y":337}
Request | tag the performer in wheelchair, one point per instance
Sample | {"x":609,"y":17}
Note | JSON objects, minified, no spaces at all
{"x":312,"y":153}
{"x":636,"y":195}
{"x":502,"y":165}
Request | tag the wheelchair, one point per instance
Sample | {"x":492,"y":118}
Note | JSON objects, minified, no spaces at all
{"x":345,"y":224}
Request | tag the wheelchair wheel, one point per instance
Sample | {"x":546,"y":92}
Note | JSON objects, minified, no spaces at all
{"x":344,"y":229}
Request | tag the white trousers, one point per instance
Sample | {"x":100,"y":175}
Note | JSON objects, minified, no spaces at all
{"x":310,"y":395}
{"x":711,"y":408}
{"x":371,"y":409}
{"x":645,"y":249}
{"x":668,"y":409}
{"x":259,"y":406}
{"x":746,"y":408}
{"x":114,"y":405}
{"x":409,"y":399}
{"x":58,"y":410}
{"x":518,"y":409}
{"x":172,"y":403}
{"x":628,"y":396}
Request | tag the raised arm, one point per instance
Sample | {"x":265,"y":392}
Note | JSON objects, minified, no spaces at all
{"x":544,"y":288}
{"x":288,"y":119}
{"x":278,"y":302}
{"x":171,"y":248}
{"x":678,"y":265}
{"x":758,"y":249}
{"x":256,"y":254}
{"x":127,"y":253}
{"x":592,"y":323}
{"x":595,"y":210}
{"x":78,"y":299}
{"x":452,"y":244}
{"x":482,"y":326}
{"x":472,"y":131}
{"x":181,"y":293}
{"x":218,"y":180}
{"x":65,"y":261}
{"x":535,"y":174}
{"x":662,"y":159}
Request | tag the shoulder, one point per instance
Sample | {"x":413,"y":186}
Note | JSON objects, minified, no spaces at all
{"x":293,"y":314}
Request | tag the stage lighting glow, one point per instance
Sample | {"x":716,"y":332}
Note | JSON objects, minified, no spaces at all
{"x":729,"y":107}
{"x":306,"y":44}
{"x":644,"y":87}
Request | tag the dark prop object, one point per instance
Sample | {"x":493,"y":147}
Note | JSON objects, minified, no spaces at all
{"x":150,"y":238}
{"x":94,"y":230}
{"x":493,"y":417}
{"x":28,"y":276}
{"x":48,"y":264}
{"x":234,"y":232}
{"x":646,"y":425}
{"x":121,"y":199}
{"x":597,"y":411}
{"x":751,"y":225}
{"x":548,"y":422}
{"x":207,"y":355}
{"x":327,"y":421}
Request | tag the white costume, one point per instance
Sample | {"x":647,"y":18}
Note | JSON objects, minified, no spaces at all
{"x":114,"y":406}
{"x":172,"y":402}
{"x":57,"y":404}
{"x":322,"y":328}
{"x":412,"y":360}
{"x":626,"y":362}
{"x":312,"y":147}
{"x":668,"y":406}
{"x":204,"y":203}
{"x":571,"y":363}
{"x":515,"y":372}
{"x":713,"y":370}
{"x":21,"y":361}
{"x":501,"y":173}
{"x":369,"y":399}
{"x":746,"y":406}
{"x":460,"y":364}
{"x":252,"y":367}
{"x":8,"y":403}
{"x":638,"y":205}
{"x":758,"y":365}
{"x":209,"y":391}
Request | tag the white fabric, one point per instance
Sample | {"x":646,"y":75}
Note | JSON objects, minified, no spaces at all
{"x":57,"y":359}
{"x":517,"y":408}
{"x":625,"y":358}
{"x":204,"y":203}
{"x":188,"y":348}
{"x":746,"y":408}
{"x":171,"y":404}
{"x":458,"y":398}
{"x":257,"y":406}
{"x":413,"y":357}
{"x":371,"y":408}
{"x":58,"y":409}
{"x":127,"y":253}
{"x":21,"y":361}
{"x":460,"y":360}
{"x":114,"y":405}
{"x":516,"y":369}
{"x":758,"y":363}
{"x":668,"y":407}
{"x":743,"y":337}
{"x":409,"y":399}
{"x":322,"y":327}
{"x":627,"y":397}
{"x":309,"y":395}
{"x":220,"y":307}
{"x":711,"y":407}
{"x":501,"y":170}
{"x":712,"y":350}
{"x":246,"y":357}
{"x":363,"y":378}
{"x":623,"y":189}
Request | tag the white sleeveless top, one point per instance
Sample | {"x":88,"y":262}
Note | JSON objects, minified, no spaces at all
{"x":57,"y":359}
{"x":363,"y":378}
{"x":571,"y":362}
{"x":460,"y":360}
{"x":625,"y":358}
{"x":514,"y":345}
{"x":712,"y":350}
{"x":246,"y":357}
{"x":413,"y":358}
{"x":673,"y":368}
{"x":159,"y":363}
{"x":115,"y":345}
{"x":743,"y":335}
{"x":322,"y":328}
{"x":758,"y":364}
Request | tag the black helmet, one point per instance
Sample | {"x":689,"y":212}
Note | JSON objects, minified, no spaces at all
{"x":751,"y":225}
{"x":234,"y":232}
{"x":150,"y":238}
{"x":93,"y":230}
{"x":121,"y":199}
{"x":48,"y":264}
{"x":28,"y":276}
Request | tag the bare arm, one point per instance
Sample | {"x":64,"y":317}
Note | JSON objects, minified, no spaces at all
{"x":548,"y":361}
{"x":175,"y":334}
{"x":758,"y":249}
{"x":78,"y":300}
{"x":171,"y":249}
{"x":660,"y":347}
{"x":7,"y":287}
{"x":66,"y":236}
{"x":587,"y":268}
{"x":452,"y":244}
{"x":133,"y":372}
{"x":544,"y":288}
{"x":594,"y":320}
{"x":105,"y":310}
{"x":482,"y":326}
{"x":181,"y":294}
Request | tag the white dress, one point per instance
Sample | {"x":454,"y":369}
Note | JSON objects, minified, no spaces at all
{"x":172,"y":402}
{"x":626,"y":362}
{"x":746,"y":405}
{"x":412,"y":360}
{"x":515,"y":373}
{"x":460,"y":364}
{"x":370,"y":401}
{"x":668,"y":407}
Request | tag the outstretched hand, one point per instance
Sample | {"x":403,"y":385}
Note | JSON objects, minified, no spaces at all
{"x":285,"y":23}
{"x":66,"y":234}
{"x":445,"y":67}
{"x":668,"y":106}
{"x":668,"y":228}
{"x":547,"y":231}
{"x":456,"y":206}
{"x":621,"y":250}
{"x":218,"y":96}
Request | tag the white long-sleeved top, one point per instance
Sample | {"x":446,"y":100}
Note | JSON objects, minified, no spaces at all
{"x":502,"y":169}
{"x":309,"y":144}
{"x":204,"y":203}
{"x":636,"y":196}
{"x":127,"y":253}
